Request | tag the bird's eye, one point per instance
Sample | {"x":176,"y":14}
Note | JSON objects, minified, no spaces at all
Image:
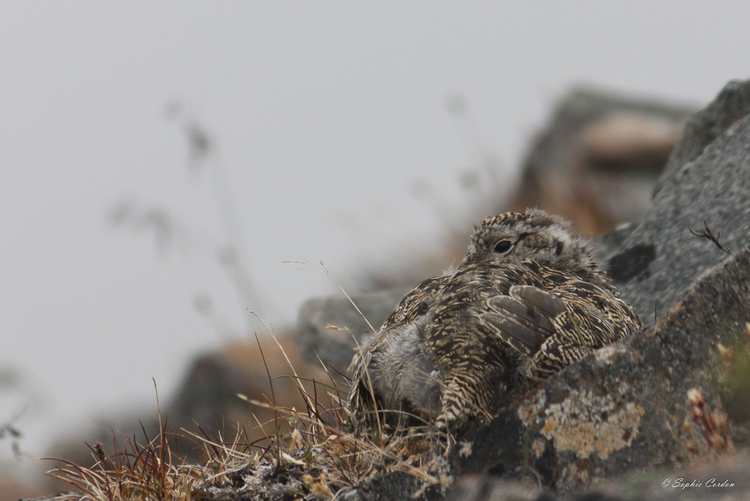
{"x":503,"y":246}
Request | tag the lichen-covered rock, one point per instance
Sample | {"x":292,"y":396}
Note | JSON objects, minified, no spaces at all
{"x":629,"y":405}
{"x":653,"y":401}
{"x":492,"y":488}
{"x":395,"y":486}
{"x":728,"y":479}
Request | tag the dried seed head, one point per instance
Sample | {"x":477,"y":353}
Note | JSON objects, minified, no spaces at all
{"x":726,"y":353}
{"x":696,"y":397}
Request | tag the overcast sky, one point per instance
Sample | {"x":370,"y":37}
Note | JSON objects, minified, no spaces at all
{"x":325,"y":118}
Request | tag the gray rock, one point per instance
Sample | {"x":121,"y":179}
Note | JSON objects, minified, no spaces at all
{"x":597,"y":160}
{"x":648,"y":404}
{"x":727,"y":479}
{"x":626,"y":406}
{"x":732,"y":104}
{"x":610,"y":242}
{"x":661,"y":257}
{"x":390,"y":486}
{"x":492,"y":488}
{"x":334,"y":346}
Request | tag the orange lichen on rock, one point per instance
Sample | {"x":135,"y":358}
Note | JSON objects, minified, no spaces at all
{"x":586,"y":423}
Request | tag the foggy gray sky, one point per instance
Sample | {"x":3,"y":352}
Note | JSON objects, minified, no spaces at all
{"x":324,"y":116}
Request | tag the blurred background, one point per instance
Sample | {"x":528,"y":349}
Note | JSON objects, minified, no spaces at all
{"x":159,"y":163}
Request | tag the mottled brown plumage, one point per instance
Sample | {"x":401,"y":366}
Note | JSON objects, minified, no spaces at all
{"x":526,"y":301}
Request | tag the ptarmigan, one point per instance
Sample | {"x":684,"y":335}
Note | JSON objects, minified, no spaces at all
{"x":526,"y":301}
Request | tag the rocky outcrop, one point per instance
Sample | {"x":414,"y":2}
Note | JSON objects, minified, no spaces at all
{"x":660,"y":401}
{"x":710,"y":183}
{"x":726,"y":479}
{"x":596,"y":163}
{"x":597,"y":160}
{"x":655,"y":400}
{"x":730,"y":106}
{"x":331,"y":327}
{"x":630,"y":405}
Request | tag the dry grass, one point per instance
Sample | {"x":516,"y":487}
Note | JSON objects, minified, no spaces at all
{"x":301,"y":454}
{"x":313,"y":452}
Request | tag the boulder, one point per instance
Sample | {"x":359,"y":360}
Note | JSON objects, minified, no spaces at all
{"x":731,"y":105}
{"x":710,"y":183}
{"x":630,"y":405}
{"x":598,"y":149}
{"x":599,"y":157}
{"x":656,"y":400}
{"x":726,"y":479}
{"x":659,"y":401}
{"x":332,"y":328}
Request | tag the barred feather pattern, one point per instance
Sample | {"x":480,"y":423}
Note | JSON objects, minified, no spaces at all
{"x":527,"y":301}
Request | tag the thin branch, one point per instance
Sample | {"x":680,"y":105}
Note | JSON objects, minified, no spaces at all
{"x":707,"y":234}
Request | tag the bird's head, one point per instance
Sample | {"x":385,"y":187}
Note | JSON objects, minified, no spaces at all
{"x":514,"y":236}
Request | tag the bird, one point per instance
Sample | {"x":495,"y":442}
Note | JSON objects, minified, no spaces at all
{"x":527,"y":300}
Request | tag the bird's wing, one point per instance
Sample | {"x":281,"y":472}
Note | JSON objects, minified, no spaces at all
{"x":540,"y":300}
{"x":523,"y":319}
{"x":596,"y":316}
{"x":415,"y":303}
